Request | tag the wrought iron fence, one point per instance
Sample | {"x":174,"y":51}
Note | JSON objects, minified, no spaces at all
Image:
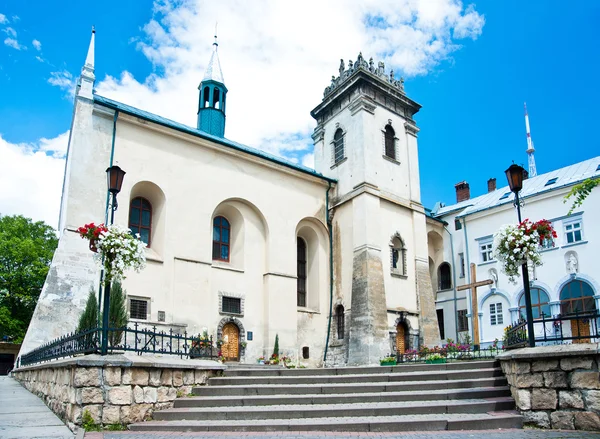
{"x":570,"y":328}
{"x":447,"y":354}
{"x":135,"y":338}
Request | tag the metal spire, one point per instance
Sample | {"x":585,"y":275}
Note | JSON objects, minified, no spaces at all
{"x":530,"y":148}
{"x":86,"y":80}
{"x":213,"y":71}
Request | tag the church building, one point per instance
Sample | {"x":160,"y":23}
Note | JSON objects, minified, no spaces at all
{"x":334,"y":261}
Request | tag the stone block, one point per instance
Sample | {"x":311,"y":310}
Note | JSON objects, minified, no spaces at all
{"x":166,"y":394}
{"x":523,"y":399}
{"x":177,"y":378}
{"x":529,"y":380}
{"x":126,"y":376}
{"x":571,"y":363}
{"x":537,"y":419}
{"x":521,"y":367}
{"x":138,"y":394}
{"x":150,"y":394}
{"x":154,"y":377}
{"x":166,"y":377}
{"x":200,"y":377}
{"x":188,"y":377}
{"x":92,"y":395}
{"x":562,"y":420}
{"x":163,"y":405}
{"x":588,"y":421}
{"x":592,"y":400}
{"x":74,"y":414}
{"x":135,"y":413}
{"x":121,"y":395}
{"x":556,"y":380}
{"x":112,"y":376}
{"x":111,"y":414}
{"x":543,"y":399}
{"x":570,"y":399}
{"x":95,"y":412}
{"x":585,"y":380}
{"x":544,"y":365}
{"x":87,"y":377}
{"x":184,"y":391}
{"x":139,"y":376}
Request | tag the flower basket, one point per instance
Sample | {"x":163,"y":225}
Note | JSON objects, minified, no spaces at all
{"x":92,"y":245}
{"x":387,"y":362}
{"x":435,"y":361}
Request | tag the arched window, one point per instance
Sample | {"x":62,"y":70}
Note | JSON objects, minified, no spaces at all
{"x":539,"y":304}
{"x":216,"y":94}
{"x":390,"y":142}
{"x":577,"y":297}
{"x":206,"y":100}
{"x":444,"y":276}
{"x":338,"y":146}
{"x":340,"y":320}
{"x":140,"y":218}
{"x":398,"y":256}
{"x":301,"y":271}
{"x":221,"y":239}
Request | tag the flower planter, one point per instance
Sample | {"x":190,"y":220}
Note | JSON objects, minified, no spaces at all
{"x":436,"y":361}
{"x":261,"y":361}
{"x":92,"y":246}
{"x":388,"y":363}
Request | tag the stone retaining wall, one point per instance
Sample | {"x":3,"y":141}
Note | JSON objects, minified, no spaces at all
{"x":116,"y":388}
{"x":556,"y":386}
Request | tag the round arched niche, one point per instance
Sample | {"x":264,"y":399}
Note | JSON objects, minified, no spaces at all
{"x":156,"y":197}
{"x":314,"y":235}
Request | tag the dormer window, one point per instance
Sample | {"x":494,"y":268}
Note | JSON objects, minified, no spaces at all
{"x":551,"y":181}
{"x":505,"y":196}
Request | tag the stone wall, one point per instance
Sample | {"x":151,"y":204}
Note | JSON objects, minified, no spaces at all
{"x":116,"y":388}
{"x":556,"y":387}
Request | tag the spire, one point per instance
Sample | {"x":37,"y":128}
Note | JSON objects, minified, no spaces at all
{"x":213,"y":93}
{"x":213,"y":71}
{"x":530,"y":148}
{"x":87,"y":78}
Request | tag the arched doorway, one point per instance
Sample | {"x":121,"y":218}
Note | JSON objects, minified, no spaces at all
{"x":400,"y":338}
{"x":231,"y":342}
{"x":577,"y":298}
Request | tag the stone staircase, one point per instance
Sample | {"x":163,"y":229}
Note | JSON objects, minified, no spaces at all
{"x":455,"y":396}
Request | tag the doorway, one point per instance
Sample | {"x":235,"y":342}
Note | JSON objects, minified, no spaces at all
{"x":400,"y":339}
{"x":231,"y":342}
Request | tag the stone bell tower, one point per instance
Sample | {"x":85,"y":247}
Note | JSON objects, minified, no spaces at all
{"x":366,"y":138}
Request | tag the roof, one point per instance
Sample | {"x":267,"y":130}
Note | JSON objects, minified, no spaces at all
{"x":539,"y":184}
{"x":213,"y":71}
{"x":127,"y":109}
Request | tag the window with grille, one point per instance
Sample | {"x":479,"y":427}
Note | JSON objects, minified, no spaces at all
{"x":390,"y":142}
{"x":140,"y":219}
{"x":138,"y":309}
{"x":301,"y":271}
{"x":486,"y":251}
{"x":339,"y":314}
{"x":463,"y":321}
{"x":231,"y":305}
{"x":496,"y":317}
{"x":573,"y":231}
{"x":338,"y":146}
{"x":540,"y":303}
{"x":221,"y":239}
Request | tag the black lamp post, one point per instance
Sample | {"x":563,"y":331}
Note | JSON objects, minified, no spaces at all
{"x":114,"y":176}
{"x":514,"y":175}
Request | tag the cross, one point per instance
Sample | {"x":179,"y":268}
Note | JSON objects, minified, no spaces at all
{"x":474,"y":309}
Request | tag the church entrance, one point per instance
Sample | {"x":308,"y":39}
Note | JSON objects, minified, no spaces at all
{"x":400,"y":339}
{"x":577,"y":300}
{"x":231,"y":342}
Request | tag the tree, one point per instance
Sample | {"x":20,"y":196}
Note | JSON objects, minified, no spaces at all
{"x":26,"y":250}
{"x":117,"y":313}
{"x":276,"y":347}
{"x":89,"y":318}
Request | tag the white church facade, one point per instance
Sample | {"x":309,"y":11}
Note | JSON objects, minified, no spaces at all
{"x":333,"y":261}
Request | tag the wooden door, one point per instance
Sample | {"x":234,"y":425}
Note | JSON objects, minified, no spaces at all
{"x":231,"y":339}
{"x":400,"y":344}
{"x":580,"y":328}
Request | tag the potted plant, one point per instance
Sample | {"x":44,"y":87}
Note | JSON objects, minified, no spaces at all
{"x":435,"y":359}
{"x":261,"y":359}
{"x":388,"y":361}
{"x":92,"y":233}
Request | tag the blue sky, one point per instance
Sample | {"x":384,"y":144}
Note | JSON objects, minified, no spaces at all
{"x":472,"y":75}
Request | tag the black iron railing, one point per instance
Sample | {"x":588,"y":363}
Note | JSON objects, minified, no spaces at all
{"x":445,"y":354}
{"x":135,"y":338}
{"x":570,"y":328}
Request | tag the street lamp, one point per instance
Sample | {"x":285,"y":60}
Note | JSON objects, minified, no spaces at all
{"x":514,"y":175}
{"x":114,"y":176}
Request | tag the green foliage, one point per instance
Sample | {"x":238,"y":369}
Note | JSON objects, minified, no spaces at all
{"x":276,"y":347}
{"x":89,"y":318}
{"x":580,"y":192}
{"x":117,"y":313}
{"x":26,"y":250}
{"x":87,"y":422}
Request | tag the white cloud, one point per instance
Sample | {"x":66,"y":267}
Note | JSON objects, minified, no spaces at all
{"x":309,"y":160}
{"x":10,"y":31}
{"x":39,"y":58}
{"x":37,"y":44}
{"x":64,"y":80}
{"x":31,"y":185}
{"x":3,"y":19}
{"x":11,"y":42}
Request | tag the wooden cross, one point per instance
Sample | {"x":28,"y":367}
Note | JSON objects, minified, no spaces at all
{"x":474,"y":307}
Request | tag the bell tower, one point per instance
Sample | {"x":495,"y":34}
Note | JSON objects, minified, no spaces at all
{"x":366,"y":138}
{"x":211,"y":103}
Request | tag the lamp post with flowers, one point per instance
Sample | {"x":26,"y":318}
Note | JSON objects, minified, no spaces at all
{"x":515,"y":174}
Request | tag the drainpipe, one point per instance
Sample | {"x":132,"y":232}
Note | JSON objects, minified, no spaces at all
{"x":329,"y":227}
{"x":468,"y":274}
{"x":453,"y":283}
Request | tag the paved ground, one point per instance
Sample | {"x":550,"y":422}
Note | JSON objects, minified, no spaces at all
{"x":490,"y":434}
{"x":24,"y":415}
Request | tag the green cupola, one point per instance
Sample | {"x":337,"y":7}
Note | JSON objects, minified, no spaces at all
{"x":211,"y":105}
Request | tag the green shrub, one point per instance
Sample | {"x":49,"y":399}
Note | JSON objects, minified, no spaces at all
{"x":89,"y":318}
{"x":117,"y":313}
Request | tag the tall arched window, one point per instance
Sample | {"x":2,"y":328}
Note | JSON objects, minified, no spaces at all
{"x":140,"y":218}
{"x":577,"y":297}
{"x":539,"y":303}
{"x":398,"y":256}
{"x":206,"y":102}
{"x":390,"y":142}
{"x":340,"y":320}
{"x":301,"y":271}
{"x":221,"y":239}
{"x":338,"y":146}
{"x":444,"y":276}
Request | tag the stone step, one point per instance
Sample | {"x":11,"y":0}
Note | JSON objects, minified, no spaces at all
{"x":424,"y":422}
{"x":241,"y":370}
{"x":395,"y":376}
{"x":421,"y":395}
{"x":298,"y":411}
{"x":338,"y":388}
